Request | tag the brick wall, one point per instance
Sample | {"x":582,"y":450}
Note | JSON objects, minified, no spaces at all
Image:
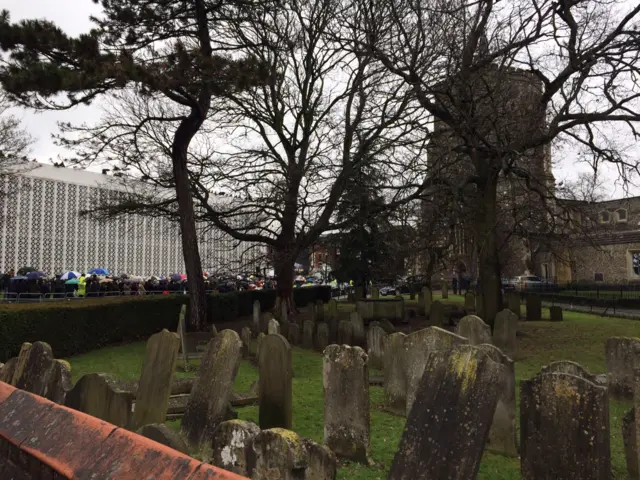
{"x":42,"y":440}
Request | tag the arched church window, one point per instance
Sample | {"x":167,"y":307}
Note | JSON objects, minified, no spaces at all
{"x":621,"y":215}
{"x":604,"y":217}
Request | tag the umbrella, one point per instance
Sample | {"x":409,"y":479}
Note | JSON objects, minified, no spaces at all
{"x":35,"y":275}
{"x":73,"y":281}
{"x":136,"y":280}
{"x":69,"y":275}
{"x":178,"y":276}
{"x":24,"y":270}
{"x":99,"y":271}
{"x":19,"y":277}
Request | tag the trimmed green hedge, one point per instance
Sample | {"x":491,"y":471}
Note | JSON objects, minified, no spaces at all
{"x":76,"y":326}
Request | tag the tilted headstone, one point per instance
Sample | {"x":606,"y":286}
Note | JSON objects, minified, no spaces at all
{"x":308,"y":329}
{"x":161,"y":433}
{"x":445,"y":291}
{"x":345,"y":333}
{"x":60,"y":382}
{"x":154,"y":388}
{"x":534,"y":308}
{"x":21,"y":360}
{"x":320,"y":311}
{"x":274,"y":327}
{"x":211,"y":390}
{"x":375,"y":293}
{"x":375,"y":346}
{"x":231,"y":443}
{"x":436,"y":315}
{"x":257,"y":311}
{"x":36,"y":369}
{"x":182,"y":333}
{"x":274,"y":391}
{"x":555,"y":313}
{"x":448,"y":426}
{"x":564,"y":428}
{"x":418,"y":346}
{"x":6,"y":372}
{"x":345,"y":377}
{"x":322,"y":336}
{"x":293,"y":334}
{"x":321,"y":461}
{"x":514,"y":304}
{"x":473,"y":328}
{"x":502,"y":436}
{"x":357,"y":324}
{"x":469,"y":301}
{"x":395,"y":380}
{"x":95,"y":395}
{"x":572,"y":368}
{"x":505,"y":326}
{"x":622,"y":355}
{"x":245,"y":336}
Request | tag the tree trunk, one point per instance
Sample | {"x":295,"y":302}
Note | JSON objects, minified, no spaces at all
{"x":284,"y":288}
{"x":487,"y":245}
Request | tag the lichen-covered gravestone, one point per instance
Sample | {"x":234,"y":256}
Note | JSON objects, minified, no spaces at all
{"x":502,"y":436}
{"x":231,"y":441}
{"x":357,"y":324}
{"x":322,"y":336}
{"x":161,"y":433}
{"x":572,"y":368}
{"x":345,"y":333}
{"x":96,"y":395}
{"x":375,"y":346}
{"x":35,"y":368}
{"x":436,"y":315}
{"x":59,"y":382}
{"x":505,"y":326}
{"x":418,"y":346}
{"x":293,"y":334}
{"x":274,"y":327}
{"x":345,"y":377}
{"x":564,"y":428}
{"x":257,"y":310}
{"x":245,"y":336}
{"x":473,"y":328}
{"x":154,"y":388}
{"x":308,"y":328}
{"x":622,"y":355}
{"x":534,"y":308}
{"x":555,"y":313}
{"x":321,"y":461}
{"x":274,"y":389}
{"x":395,"y":380}
{"x":513,"y":303}
{"x":448,"y":426}
{"x":469,"y":301}
{"x":211,"y":390}
{"x":277,"y":453}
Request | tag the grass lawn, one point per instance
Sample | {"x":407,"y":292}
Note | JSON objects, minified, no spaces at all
{"x":579,"y":338}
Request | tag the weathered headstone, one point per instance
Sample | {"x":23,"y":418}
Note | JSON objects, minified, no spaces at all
{"x":622,"y":355}
{"x":448,"y":426}
{"x":274,"y":327}
{"x":502,"y":436}
{"x":313,"y":312}
{"x":387,"y":326}
{"x":161,"y":433}
{"x":469,"y":301}
{"x":572,"y":368}
{"x":395,"y":381}
{"x":333,"y":329}
{"x":211,"y":390}
{"x":320,"y":311}
{"x":358,"y":332}
{"x":445,"y":290}
{"x":333,"y":308}
{"x":182,"y":333}
{"x":231,"y":443}
{"x":154,"y":388}
{"x":345,"y":333}
{"x":534,"y":308}
{"x":555,"y":313}
{"x":473,"y":328}
{"x":630,"y":440}
{"x":277,"y":453}
{"x":504,"y":332}
{"x":564,"y":428}
{"x":427,"y":300}
{"x":418,"y":346}
{"x":257,"y":311}
{"x":293,"y":335}
{"x":36,"y":369}
{"x":6,"y":373}
{"x":436,"y":315}
{"x":345,"y":377}
{"x":245,"y":336}
{"x":375,"y":346}
{"x":264,"y":322}
{"x":21,"y":360}
{"x":94,"y":394}
{"x":214,"y":331}
{"x":60,"y":382}
{"x":308,"y":328}
{"x":321,"y":461}
{"x":375,"y":293}
{"x":275,"y":372}
{"x":514,"y":304}
{"x":322,"y":336}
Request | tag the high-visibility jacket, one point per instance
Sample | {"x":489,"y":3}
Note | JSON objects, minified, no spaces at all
{"x":82,"y":286}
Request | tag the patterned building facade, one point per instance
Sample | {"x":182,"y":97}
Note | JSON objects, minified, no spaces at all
{"x":41,"y":227}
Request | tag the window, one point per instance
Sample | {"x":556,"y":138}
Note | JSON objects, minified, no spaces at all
{"x":599,"y":277}
{"x":604,"y":217}
{"x":621,"y":215}
{"x":635,"y":262}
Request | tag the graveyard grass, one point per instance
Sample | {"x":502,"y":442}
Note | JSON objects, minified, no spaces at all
{"x":579,"y":338}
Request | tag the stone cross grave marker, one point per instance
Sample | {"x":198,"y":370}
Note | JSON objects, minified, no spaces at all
{"x":473,"y":328}
{"x":274,"y":391}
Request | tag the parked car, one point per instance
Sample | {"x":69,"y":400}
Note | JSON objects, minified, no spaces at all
{"x":532,"y":282}
{"x":508,"y":284}
{"x":384,"y":291}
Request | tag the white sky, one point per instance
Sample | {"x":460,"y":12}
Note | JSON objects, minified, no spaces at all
{"x":73,"y":17}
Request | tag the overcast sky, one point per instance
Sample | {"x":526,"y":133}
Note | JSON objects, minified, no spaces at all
{"x":73,"y":17}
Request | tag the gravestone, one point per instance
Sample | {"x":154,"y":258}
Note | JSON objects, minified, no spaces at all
{"x":321,"y":461}
{"x":274,"y":327}
{"x":387,"y":326}
{"x":445,"y":291}
{"x":622,"y":355}
{"x":448,"y":426}
{"x":257,"y":310}
{"x":284,"y":313}
{"x":418,"y":346}
{"x":436,"y":315}
{"x":514,"y":304}
{"x":332,"y":322}
{"x":427,"y":300}
{"x":279,"y":454}
{"x":345,"y":333}
{"x":564,"y":428}
{"x":504,"y":332}
{"x":21,"y":360}
{"x":322,"y":336}
{"x":572,"y":368}
{"x":345,"y":377}
{"x":161,"y":433}
{"x":555,"y":313}
{"x":95,"y":395}
{"x":259,"y":340}
{"x":534,"y":308}
{"x":154,"y":388}
{"x":357,"y":324}
{"x":293,"y":335}
{"x":358,"y":293}
{"x":473,"y":328}
{"x":6,"y":372}
{"x":469,"y":301}
{"x":214,"y":331}
{"x":395,"y":381}
{"x":36,"y":369}
{"x":375,"y":346}
{"x":375,"y":293}
{"x":308,"y":328}
{"x":182,"y":333}
{"x":333,"y":308}
{"x":502,"y":436}
{"x":320,"y":311}
{"x":231,"y":443}
{"x":264,"y":322}
{"x":211,"y":390}
{"x":631,"y":431}
{"x":313,"y":312}
{"x":60,"y":382}
{"x":245,"y":336}
{"x":274,"y":389}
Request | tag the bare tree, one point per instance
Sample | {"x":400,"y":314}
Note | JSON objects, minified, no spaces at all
{"x":14,"y":139}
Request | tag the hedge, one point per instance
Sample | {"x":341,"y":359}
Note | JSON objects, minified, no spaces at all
{"x":77,"y":326}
